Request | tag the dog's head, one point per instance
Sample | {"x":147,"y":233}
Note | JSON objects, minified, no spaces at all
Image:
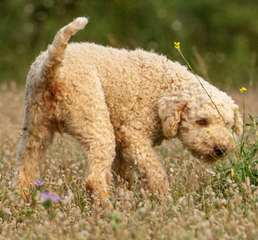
{"x":207,"y":133}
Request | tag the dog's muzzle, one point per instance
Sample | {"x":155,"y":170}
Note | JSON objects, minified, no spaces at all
{"x":219,"y":151}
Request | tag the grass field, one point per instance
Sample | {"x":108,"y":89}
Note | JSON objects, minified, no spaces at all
{"x":205,"y":202}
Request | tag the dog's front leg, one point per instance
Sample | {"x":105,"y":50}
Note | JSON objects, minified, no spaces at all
{"x":140,"y":150}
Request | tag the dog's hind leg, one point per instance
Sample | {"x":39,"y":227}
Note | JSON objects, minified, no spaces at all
{"x":89,"y":122}
{"x":36,"y":136}
{"x":124,"y":168}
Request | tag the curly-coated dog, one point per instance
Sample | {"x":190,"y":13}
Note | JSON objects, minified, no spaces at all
{"x":118,"y":102}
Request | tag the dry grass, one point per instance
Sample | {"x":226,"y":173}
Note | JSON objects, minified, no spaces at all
{"x":199,"y":207}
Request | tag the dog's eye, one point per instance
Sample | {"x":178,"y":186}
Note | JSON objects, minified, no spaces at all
{"x":202,"y":122}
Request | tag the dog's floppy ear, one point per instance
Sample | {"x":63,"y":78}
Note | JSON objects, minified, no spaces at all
{"x":170,"y":111}
{"x":238,"y":122}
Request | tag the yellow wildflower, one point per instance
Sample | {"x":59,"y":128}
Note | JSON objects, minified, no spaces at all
{"x":232,"y":172}
{"x":243,"y":90}
{"x":177,"y":45}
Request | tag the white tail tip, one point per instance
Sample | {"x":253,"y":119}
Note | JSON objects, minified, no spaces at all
{"x":80,"y":22}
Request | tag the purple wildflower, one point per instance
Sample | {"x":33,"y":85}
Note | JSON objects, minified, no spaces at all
{"x":49,"y":196}
{"x":39,"y":183}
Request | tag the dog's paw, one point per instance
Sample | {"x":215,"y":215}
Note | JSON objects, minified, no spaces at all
{"x":98,"y":187}
{"x":24,"y":185}
{"x":159,"y":185}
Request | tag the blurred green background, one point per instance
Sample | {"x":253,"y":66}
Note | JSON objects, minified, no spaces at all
{"x":220,"y":38}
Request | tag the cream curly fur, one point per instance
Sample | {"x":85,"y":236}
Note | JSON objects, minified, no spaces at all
{"x":119,"y":102}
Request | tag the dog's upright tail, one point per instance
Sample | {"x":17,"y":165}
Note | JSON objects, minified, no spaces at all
{"x":56,"y":50}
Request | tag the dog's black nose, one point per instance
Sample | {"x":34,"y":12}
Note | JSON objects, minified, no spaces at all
{"x":219,"y":151}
